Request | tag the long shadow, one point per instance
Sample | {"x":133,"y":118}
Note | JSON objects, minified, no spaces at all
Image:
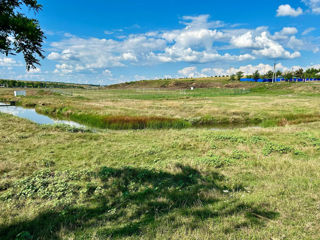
{"x":135,"y":198}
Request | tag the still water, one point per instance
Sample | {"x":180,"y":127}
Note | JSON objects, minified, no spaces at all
{"x":33,"y":116}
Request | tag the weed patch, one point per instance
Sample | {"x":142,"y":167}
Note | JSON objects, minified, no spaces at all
{"x":273,"y":147}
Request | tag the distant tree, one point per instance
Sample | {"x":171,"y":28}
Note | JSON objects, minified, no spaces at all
{"x":288,"y":75}
{"x":269,"y":74}
{"x":312,"y":73}
{"x":233,"y":77}
{"x":256,"y":75}
{"x":20,"y":34}
{"x":239,"y":75}
{"x":299,"y":73}
{"x":279,"y":73}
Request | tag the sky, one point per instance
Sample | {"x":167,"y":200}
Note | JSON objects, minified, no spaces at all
{"x":112,"y":41}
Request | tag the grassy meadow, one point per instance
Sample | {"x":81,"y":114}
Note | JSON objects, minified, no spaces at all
{"x":228,"y":103}
{"x":182,"y":177}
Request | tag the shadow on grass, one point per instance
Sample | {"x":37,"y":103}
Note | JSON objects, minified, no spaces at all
{"x":130,"y":199}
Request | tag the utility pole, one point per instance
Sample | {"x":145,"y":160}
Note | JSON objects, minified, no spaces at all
{"x":274,"y":76}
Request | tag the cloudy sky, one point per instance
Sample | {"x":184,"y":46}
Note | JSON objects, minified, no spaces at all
{"x":105,"y":42}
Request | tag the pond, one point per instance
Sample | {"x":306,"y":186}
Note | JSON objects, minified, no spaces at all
{"x":33,"y":116}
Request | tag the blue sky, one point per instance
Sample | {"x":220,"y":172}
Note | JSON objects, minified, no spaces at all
{"x":105,"y":42}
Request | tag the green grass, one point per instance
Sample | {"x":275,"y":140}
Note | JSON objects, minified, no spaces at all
{"x":231,"y":103}
{"x":172,"y":172}
{"x":59,"y":183}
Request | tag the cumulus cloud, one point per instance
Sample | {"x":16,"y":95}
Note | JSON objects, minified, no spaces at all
{"x":295,"y":43}
{"x":287,"y":10}
{"x":285,"y":33}
{"x":198,"y":41}
{"x":193,"y":72}
{"x":263,"y":44}
{"x":272,"y":49}
{"x":8,"y":62}
{"x":34,"y":70}
{"x":94,"y":53}
{"x":289,"y":31}
{"x":190,"y":72}
{"x":246,"y":69}
{"x":63,"y":68}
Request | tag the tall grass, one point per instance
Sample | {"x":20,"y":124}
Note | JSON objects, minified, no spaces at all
{"x":129,"y":122}
{"x":154,"y":122}
{"x":116,"y":122}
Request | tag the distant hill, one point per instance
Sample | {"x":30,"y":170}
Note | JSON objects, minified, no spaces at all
{"x":185,"y":83}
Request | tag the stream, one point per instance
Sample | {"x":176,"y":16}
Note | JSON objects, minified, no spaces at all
{"x":33,"y":116}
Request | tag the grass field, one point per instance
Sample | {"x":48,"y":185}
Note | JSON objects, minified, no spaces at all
{"x":58,"y":182}
{"x":228,"y":103}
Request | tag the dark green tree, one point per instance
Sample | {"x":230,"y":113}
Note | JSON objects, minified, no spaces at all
{"x":232,"y":77}
{"x":269,"y":75}
{"x":288,"y":75}
{"x":311,"y":73}
{"x":20,"y":34}
{"x":239,"y":75}
{"x":279,"y":73}
{"x":256,"y":75}
{"x":299,"y":73}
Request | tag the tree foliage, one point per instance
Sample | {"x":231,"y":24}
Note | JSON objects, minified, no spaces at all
{"x":256,"y":75}
{"x":279,"y":73}
{"x":239,"y":75}
{"x":288,"y":75}
{"x":232,"y":77}
{"x":20,"y":34}
{"x":269,"y":75}
{"x":299,"y":73}
{"x":30,"y":84}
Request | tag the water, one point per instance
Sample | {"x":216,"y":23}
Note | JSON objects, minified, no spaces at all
{"x":33,"y":116}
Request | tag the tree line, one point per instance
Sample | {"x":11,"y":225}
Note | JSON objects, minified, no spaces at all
{"x":29,"y":84}
{"x":300,"y":74}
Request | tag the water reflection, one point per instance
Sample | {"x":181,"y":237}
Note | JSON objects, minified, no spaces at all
{"x":33,"y":116}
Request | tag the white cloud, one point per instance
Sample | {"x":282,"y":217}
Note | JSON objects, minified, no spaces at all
{"x":289,"y":31}
{"x":193,"y":43}
{"x":314,"y":5}
{"x":295,"y":43}
{"x":186,"y":71}
{"x":201,"y":22}
{"x":107,"y":72}
{"x":243,"y":41}
{"x":287,"y":10}
{"x":34,"y":70}
{"x":308,"y":30}
{"x":54,"y":56}
{"x":263,"y":45}
{"x":8,"y":62}
{"x":247,"y":69}
{"x":272,"y":49}
{"x":285,"y":33}
{"x":189,"y":72}
{"x":198,"y":41}
{"x":63,"y":68}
